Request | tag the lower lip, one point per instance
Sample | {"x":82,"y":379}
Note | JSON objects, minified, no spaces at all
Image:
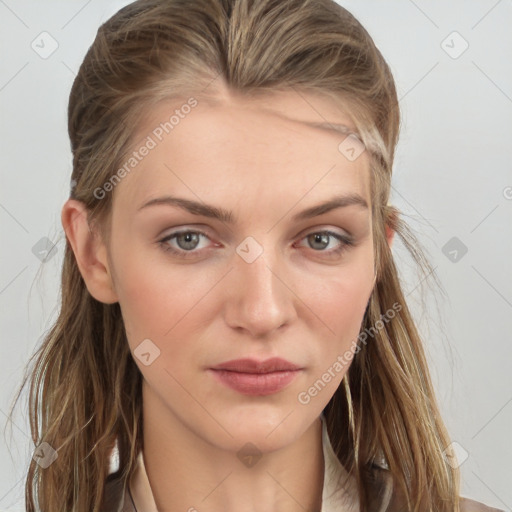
{"x":256,"y":383}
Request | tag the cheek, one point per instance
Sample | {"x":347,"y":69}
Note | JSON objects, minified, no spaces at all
{"x":168,"y":306}
{"x":156,"y":297}
{"x":338,"y":300}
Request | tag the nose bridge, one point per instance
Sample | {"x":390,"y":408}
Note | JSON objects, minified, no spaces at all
{"x":258,"y":301}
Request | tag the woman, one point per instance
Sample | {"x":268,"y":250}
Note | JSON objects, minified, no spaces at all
{"x":232,"y":322}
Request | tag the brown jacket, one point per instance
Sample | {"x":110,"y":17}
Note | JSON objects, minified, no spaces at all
{"x":117,"y":499}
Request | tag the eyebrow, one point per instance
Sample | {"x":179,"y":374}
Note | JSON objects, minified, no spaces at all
{"x":214,"y":212}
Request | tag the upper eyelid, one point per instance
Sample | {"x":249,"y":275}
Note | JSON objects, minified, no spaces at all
{"x":302,"y":234}
{"x":170,"y":236}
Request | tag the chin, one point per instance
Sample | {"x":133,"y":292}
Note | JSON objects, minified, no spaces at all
{"x":269,"y":427}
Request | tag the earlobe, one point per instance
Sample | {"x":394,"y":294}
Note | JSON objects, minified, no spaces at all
{"x":90,"y":251}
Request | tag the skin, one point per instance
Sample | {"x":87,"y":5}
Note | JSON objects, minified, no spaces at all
{"x":258,"y":159}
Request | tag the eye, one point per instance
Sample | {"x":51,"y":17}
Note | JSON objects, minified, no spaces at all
{"x":186,"y":243}
{"x":183,"y":242}
{"x":335,"y":243}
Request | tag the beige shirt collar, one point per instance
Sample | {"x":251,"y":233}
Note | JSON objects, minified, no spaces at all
{"x":339,"y":490}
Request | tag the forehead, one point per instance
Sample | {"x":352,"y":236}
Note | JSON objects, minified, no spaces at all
{"x":286,"y":144}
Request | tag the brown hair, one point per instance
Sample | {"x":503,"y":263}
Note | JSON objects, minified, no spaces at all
{"x":81,"y":403}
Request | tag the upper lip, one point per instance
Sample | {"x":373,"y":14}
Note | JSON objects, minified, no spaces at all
{"x":275,"y":364}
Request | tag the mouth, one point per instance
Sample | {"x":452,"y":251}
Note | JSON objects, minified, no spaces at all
{"x":256,"y":378}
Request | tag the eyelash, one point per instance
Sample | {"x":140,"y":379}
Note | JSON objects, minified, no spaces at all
{"x":346,"y":242}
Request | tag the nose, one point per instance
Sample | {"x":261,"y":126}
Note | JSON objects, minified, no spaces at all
{"x":259,"y":299}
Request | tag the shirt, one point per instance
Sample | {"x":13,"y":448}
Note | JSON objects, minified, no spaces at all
{"x":339,"y":493}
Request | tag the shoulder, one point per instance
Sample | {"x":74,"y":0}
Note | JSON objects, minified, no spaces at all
{"x":114,"y":495}
{"x":467,"y":505}
{"x":385,"y":498}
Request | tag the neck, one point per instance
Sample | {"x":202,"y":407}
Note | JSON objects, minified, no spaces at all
{"x":187,"y":472}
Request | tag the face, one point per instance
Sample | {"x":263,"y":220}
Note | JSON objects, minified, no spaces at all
{"x":220,"y":250}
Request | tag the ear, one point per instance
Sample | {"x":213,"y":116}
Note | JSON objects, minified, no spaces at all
{"x":390,"y":235}
{"x":90,"y":251}
{"x":391,"y":225}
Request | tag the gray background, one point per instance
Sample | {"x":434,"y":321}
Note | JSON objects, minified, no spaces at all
{"x":452,"y":178}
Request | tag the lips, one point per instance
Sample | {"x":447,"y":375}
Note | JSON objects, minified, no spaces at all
{"x":252,"y":377}
{"x":274,"y":364}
